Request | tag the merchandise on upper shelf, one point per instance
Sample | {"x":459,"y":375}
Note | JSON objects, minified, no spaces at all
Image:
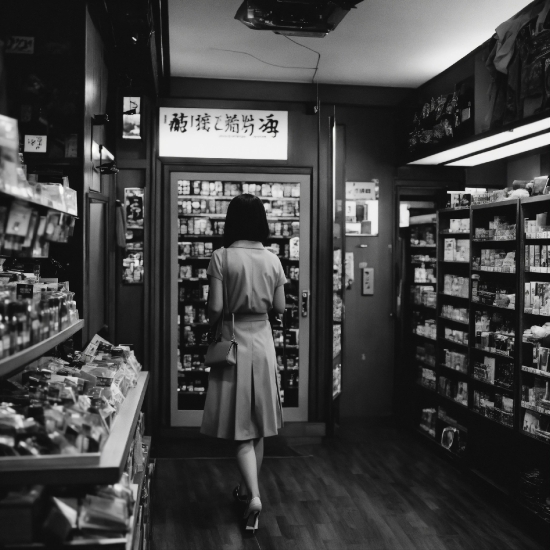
{"x":456,"y":250}
{"x":454,"y":335}
{"x":536,"y":258}
{"x":232,"y":189}
{"x":424,"y":326}
{"x":428,"y":421}
{"x":425,"y":353}
{"x":424,"y":275}
{"x":458,"y":199}
{"x":495,"y":371}
{"x":453,"y":389}
{"x":31,"y":312}
{"x":453,"y":285}
{"x":427,"y":378}
{"x":454,"y":313}
{"x":537,"y":228}
{"x":424,"y":296}
{"x":498,"y":230}
{"x":455,"y":360}
{"x":494,"y":333}
{"x":14,"y":182}
{"x":422,"y":235}
{"x":493,"y":293}
{"x":495,"y":260}
{"x":459,"y":225}
{"x":537,"y":298}
{"x":499,"y":408}
{"x":67,"y":406}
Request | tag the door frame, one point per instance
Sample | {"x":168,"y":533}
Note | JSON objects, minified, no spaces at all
{"x":188,"y":419}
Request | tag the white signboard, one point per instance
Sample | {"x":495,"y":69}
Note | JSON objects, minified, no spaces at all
{"x":223,"y":133}
{"x":365,"y":190}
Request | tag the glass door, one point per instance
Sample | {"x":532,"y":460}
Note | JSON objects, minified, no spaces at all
{"x":199,"y":202}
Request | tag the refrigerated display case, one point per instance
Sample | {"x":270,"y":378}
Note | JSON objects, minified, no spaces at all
{"x":199,"y":203}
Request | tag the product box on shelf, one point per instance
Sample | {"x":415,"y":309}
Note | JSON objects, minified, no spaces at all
{"x":71,"y":403}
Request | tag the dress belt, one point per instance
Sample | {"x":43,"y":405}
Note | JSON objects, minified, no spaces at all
{"x":248,"y":317}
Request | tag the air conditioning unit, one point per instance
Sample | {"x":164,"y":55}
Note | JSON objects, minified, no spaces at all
{"x":313,"y":18}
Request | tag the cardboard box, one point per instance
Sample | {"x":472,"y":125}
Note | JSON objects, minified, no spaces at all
{"x":449,"y":250}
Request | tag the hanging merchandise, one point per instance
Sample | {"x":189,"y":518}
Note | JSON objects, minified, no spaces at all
{"x":132,"y":261}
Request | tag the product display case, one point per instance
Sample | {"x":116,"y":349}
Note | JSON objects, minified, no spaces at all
{"x":199,"y":206}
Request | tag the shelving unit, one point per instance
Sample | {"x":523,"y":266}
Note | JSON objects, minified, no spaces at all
{"x":14,"y":363}
{"x":55,"y":470}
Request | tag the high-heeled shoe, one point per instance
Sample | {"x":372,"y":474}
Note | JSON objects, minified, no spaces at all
{"x":252,"y":514}
{"x":238,"y":497}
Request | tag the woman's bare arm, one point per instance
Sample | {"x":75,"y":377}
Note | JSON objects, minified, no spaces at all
{"x":215,"y":300}
{"x":279,"y":302}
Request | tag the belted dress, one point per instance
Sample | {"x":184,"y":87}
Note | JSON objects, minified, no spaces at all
{"x":243,"y":401}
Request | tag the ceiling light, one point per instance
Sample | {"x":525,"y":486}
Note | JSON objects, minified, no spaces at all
{"x":445,"y":157}
{"x":506,"y":151}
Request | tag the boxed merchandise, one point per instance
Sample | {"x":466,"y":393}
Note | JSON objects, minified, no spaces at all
{"x":449,"y":250}
{"x":455,"y":225}
{"x":462,"y":253}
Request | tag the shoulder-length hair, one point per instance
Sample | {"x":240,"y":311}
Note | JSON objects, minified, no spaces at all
{"x":246,"y":220}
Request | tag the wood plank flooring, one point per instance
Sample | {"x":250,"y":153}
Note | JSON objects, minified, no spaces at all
{"x":371,"y":488}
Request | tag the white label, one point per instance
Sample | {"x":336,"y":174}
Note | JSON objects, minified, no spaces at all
{"x":36,"y":144}
{"x":223,"y":133}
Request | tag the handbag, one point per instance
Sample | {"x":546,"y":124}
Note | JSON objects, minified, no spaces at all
{"x":222,"y":353}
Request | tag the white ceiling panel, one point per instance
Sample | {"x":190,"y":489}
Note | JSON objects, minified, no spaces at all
{"x":400,"y":43}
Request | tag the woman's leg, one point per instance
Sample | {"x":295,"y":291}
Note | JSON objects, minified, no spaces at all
{"x":246,"y":460}
{"x":259,"y":450}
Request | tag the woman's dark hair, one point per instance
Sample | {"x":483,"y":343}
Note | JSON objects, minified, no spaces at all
{"x":246,"y":220}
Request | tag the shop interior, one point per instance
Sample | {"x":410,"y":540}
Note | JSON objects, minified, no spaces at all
{"x":406,"y":185}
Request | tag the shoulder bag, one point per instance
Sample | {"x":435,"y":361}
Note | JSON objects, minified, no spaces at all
{"x":220,"y":353}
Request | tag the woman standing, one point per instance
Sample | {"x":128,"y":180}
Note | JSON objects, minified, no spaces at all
{"x":243,"y":401}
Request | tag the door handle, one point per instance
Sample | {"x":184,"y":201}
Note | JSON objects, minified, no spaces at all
{"x":305,"y":303}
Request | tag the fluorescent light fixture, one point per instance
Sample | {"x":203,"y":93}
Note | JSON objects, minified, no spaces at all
{"x":506,"y":151}
{"x":445,"y":157}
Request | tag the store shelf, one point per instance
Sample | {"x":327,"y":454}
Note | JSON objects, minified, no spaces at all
{"x":426,"y":364}
{"x":447,"y":368}
{"x":198,"y":237}
{"x":499,"y":204}
{"x":35,"y":203}
{"x":451,"y":210}
{"x":465,"y":323}
{"x":230,"y":197}
{"x":533,"y":436}
{"x":196,"y":371}
{"x":494,"y":353}
{"x":537,"y":372}
{"x":442,"y":294}
{"x":494,"y":241}
{"x":534,"y":272}
{"x":425,"y":337}
{"x":484,"y":271}
{"x":456,"y":234}
{"x":423,"y":246}
{"x":418,"y":384}
{"x":223,"y":216}
{"x":453,"y":262}
{"x":535,"y":408}
{"x":451,"y":422}
{"x":16,"y":362}
{"x":475,"y":305}
{"x":451,"y":400}
{"x":432,"y":283}
{"x":493,"y":421}
{"x":66,"y":469}
{"x":454,"y":342}
{"x":415,"y":306}
{"x":491,"y":384}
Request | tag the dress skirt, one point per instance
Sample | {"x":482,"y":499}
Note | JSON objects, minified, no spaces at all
{"x":243,"y":401}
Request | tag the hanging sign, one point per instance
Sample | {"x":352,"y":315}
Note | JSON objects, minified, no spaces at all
{"x":223,"y":133}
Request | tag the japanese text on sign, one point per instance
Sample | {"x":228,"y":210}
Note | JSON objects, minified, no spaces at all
{"x":223,"y":133}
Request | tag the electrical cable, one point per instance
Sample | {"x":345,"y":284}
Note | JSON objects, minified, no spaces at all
{"x":311,"y":50}
{"x":262,"y":61}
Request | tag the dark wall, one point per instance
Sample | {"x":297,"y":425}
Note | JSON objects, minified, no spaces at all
{"x":367,"y":372}
{"x":368,"y":115}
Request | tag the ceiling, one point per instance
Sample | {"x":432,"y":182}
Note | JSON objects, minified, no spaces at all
{"x":401,"y":43}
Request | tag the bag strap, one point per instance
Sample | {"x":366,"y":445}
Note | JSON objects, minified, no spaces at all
{"x":225,"y":300}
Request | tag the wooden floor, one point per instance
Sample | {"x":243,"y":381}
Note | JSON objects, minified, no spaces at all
{"x":372,"y":488}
